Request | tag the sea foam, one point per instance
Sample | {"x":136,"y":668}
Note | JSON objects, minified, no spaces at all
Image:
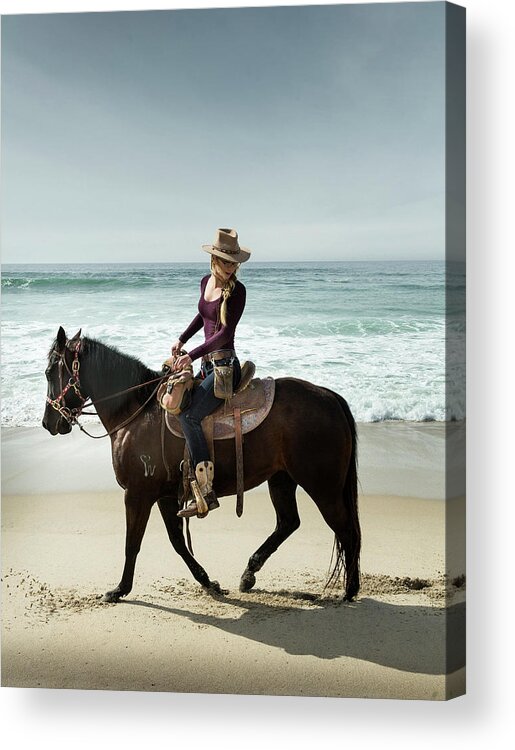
{"x":376,"y":333}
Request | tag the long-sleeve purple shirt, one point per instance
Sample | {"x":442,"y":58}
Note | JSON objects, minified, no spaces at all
{"x":207,"y":316}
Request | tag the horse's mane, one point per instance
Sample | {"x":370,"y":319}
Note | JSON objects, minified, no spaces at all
{"x":118,"y":371}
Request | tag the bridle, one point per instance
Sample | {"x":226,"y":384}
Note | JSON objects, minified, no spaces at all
{"x":72,"y":415}
{"x":58,"y":403}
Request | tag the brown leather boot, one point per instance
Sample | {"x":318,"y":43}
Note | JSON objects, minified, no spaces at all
{"x":204,"y":498}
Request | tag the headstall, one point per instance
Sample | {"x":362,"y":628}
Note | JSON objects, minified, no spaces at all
{"x":71,"y":415}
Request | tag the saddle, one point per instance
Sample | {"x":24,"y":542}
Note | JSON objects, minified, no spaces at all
{"x":242,"y":413}
{"x":251,"y":404}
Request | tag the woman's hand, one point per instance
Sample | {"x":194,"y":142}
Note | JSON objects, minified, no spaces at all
{"x":177,"y":347}
{"x":182,"y":363}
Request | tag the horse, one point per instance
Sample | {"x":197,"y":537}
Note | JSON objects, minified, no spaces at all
{"x":308,"y":439}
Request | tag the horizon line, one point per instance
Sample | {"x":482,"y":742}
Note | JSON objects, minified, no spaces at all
{"x":202,"y":262}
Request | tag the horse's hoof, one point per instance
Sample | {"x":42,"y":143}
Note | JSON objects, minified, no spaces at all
{"x":215,"y":588}
{"x":112,"y":596}
{"x":247,"y":581}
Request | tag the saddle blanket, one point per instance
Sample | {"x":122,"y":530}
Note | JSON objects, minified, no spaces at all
{"x":254,"y":402}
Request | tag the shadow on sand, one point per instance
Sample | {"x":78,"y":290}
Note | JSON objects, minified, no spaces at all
{"x":420,"y":639}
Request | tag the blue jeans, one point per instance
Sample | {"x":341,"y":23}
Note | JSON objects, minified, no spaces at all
{"x":203,"y":402}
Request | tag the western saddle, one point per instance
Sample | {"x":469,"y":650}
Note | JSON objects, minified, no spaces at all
{"x":248,"y":407}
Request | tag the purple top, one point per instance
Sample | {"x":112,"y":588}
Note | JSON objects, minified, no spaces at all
{"x":207,"y":315}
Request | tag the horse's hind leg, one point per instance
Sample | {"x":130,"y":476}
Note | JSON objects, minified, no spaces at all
{"x":169,"y":507}
{"x":137,"y":512}
{"x":348,"y":538}
{"x":282,"y":491}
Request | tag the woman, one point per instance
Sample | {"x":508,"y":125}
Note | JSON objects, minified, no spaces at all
{"x":221,"y":304}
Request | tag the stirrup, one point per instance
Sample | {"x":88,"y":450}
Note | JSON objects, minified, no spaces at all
{"x":189,"y":510}
{"x":204,"y":498}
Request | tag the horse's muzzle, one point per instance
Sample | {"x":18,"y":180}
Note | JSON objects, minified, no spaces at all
{"x":59,"y":426}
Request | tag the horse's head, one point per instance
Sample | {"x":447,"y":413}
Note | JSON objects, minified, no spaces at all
{"x":64,"y":399}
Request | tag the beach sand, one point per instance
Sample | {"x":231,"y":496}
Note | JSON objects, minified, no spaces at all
{"x":63,"y":530}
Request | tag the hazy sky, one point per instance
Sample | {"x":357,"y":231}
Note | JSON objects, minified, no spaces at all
{"x":316,"y":131}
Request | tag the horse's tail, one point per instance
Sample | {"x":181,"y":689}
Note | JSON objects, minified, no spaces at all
{"x":348,"y":556}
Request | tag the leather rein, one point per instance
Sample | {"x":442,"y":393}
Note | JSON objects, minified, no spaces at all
{"x":72,"y":415}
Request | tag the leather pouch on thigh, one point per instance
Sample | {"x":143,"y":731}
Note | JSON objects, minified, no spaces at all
{"x":223,"y":381}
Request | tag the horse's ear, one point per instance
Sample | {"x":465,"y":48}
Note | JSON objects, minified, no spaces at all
{"x":61,"y":339}
{"x":72,"y":342}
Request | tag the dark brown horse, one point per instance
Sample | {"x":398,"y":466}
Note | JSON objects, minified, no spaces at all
{"x":308,"y":439}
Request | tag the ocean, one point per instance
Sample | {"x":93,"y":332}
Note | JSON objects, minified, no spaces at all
{"x":375,"y":332}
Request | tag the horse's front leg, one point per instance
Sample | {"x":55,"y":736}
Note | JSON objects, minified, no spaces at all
{"x":169,"y":506}
{"x":137,"y":512}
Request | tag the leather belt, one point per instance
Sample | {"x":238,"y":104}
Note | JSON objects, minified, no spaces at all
{"x":220,"y":354}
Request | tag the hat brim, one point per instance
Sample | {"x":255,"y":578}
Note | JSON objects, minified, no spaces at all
{"x":241,"y":257}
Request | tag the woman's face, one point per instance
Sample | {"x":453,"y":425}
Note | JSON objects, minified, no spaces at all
{"x":224,"y":268}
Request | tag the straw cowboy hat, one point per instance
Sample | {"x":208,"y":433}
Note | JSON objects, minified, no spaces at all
{"x":226,"y":246}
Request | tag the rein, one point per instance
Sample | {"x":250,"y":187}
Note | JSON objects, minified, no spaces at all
{"x":72,"y":415}
{"x":129,"y":419}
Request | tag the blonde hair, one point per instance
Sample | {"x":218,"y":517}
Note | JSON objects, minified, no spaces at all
{"x":227,"y":289}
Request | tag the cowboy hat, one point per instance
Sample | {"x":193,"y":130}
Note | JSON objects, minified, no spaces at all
{"x":226,"y":246}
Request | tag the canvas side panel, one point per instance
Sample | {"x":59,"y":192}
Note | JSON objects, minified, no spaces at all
{"x":455,"y":243}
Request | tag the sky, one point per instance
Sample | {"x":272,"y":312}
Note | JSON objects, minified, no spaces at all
{"x":317,"y":132}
